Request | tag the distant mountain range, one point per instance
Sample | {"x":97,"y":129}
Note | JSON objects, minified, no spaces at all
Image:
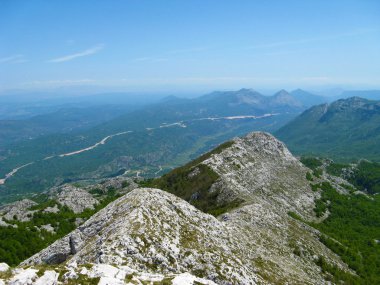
{"x":146,"y":142}
{"x":366,"y":94}
{"x":345,"y":129}
{"x":155,"y":138}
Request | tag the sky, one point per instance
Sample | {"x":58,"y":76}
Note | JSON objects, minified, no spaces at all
{"x":189,"y":46}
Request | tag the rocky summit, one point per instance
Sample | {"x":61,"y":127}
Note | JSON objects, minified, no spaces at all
{"x":150,"y":236}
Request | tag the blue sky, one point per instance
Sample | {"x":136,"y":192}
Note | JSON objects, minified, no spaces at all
{"x":189,"y":45}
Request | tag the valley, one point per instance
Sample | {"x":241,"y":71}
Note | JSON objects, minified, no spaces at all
{"x":104,"y":140}
{"x":166,"y":131}
{"x":240,"y":191}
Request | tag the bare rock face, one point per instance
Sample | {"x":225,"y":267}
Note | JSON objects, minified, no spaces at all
{"x":154,"y":231}
{"x":260,"y":169}
{"x":19,"y":210}
{"x":77,"y":199}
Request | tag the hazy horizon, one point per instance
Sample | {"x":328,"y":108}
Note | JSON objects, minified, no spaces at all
{"x":188,"y":47}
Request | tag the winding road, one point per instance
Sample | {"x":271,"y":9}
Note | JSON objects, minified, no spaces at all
{"x":104,"y":140}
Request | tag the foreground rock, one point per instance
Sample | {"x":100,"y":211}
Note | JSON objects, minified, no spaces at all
{"x":101,"y":274}
{"x":156,"y":232}
{"x":4,"y":267}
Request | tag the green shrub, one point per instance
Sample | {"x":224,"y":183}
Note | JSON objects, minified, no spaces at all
{"x":335,"y":168}
{"x":367,"y":177}
{"x":311,"y":162}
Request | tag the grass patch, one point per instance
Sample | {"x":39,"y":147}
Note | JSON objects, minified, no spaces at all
{"x":295,"y":216}
{"x":192,"y":182}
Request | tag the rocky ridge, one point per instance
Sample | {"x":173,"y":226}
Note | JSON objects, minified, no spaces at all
{"x":149,"y":232}
{"x":272,"y":182}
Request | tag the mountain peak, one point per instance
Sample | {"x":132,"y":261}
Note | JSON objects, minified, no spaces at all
{"x":170,"y":98}
{"x":247,"y":90}
{"x":268,"y":144}
{"x":283,"y":97}
{"x":351,"y":103}
{"x":282,"y":92}
{"x":306,"y":98}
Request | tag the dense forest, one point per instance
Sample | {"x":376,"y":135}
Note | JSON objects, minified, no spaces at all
{"x":352,"y":228}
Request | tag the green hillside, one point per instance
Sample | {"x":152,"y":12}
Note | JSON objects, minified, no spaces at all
{"x":345,"y":130}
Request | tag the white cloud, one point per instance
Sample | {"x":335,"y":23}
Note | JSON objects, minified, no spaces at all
{"x":17,"y":58}
{"x":90,"y":51}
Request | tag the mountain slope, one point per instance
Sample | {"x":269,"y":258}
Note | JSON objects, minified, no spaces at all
{"x":345,"y":129}
{"x":308,"y":99}
{"x":252,"y":241}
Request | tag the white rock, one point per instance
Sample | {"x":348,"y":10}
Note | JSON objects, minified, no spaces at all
{"x":2,"y":223}
{"x":72,"y":264}
{"x":4,"y":267}
{"x":105,"y":270}
{"x":24,"y":277}
{"x":77,"y":199}
{"x":18,"y":209}
{"x":54,"y":209}
{"x":84,"y":271}
{"x":110,"y":281}
{"x":71,"y":274}
{"x":48,"y":228}
{"x":189,"y":279}
{"x":50,"y":277}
